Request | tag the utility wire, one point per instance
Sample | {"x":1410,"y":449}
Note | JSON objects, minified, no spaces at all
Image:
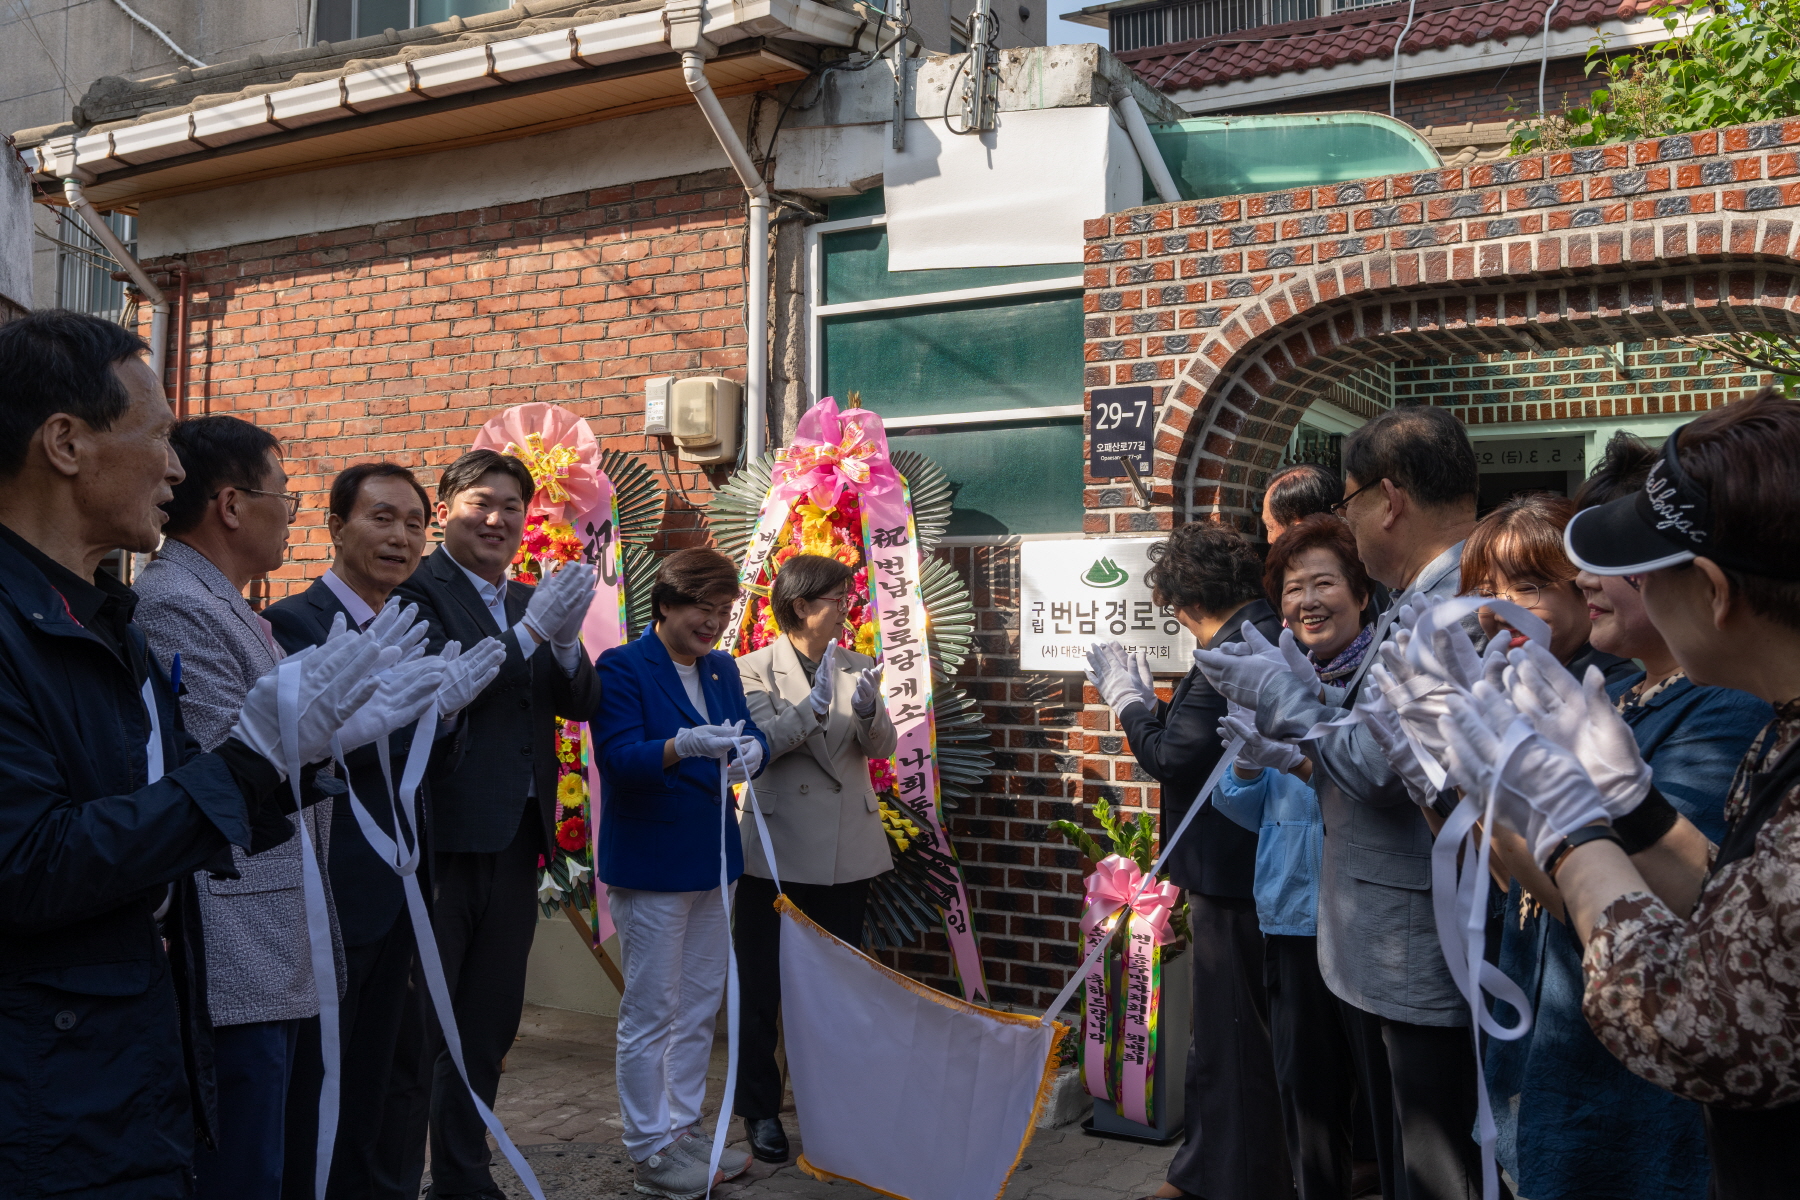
{"x":54,"y":65}
{"x":166,"y":39}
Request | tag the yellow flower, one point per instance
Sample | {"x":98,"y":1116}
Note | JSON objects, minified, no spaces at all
{"x":571,"y":790}
{"x":865,"y":638}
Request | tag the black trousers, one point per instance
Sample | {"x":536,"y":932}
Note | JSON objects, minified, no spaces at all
{"x":1234,"y":1148}
{"x":757,"y":935}
{"x":485,"y":915}
{"x":369,"y":1019}
{"x":1314,"y":1069}
{"x":1424,"y":1141}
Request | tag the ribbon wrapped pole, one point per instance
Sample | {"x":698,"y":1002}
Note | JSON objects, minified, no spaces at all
{"x":1119,"y":1040}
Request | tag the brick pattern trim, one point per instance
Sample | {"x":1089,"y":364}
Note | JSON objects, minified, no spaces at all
{"x":1240,"y":309}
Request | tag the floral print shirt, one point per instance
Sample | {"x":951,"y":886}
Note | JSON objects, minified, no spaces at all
{"x":1709,"y":1007}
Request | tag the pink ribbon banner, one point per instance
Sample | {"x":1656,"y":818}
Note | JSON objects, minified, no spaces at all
{"x":833,"y":453}
{"x":1119,"y":1040}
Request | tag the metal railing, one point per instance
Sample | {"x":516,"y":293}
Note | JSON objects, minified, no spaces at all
{"x":1137,"y":28}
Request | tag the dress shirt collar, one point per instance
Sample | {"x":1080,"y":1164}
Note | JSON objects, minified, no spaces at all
{"x":358,"y":608}
{"x":492,"y":594}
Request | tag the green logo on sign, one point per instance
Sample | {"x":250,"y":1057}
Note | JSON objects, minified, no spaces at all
{"x":1105,"y":573}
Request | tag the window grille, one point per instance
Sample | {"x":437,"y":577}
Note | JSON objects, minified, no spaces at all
{"x":1135,"y":29}
{"x":84,"y":267}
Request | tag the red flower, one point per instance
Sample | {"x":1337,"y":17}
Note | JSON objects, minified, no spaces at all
{"x":571,"y":835}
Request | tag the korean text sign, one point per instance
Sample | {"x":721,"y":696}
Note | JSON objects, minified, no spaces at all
{"x":1079,"y":591}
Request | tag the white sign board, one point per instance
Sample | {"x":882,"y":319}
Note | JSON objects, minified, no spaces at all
{"x":1081,"y":591}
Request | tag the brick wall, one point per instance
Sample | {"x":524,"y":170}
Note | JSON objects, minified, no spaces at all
{"x":400,"y":340}
{"x":1630,"y":378}
{"x":1504,"y":95}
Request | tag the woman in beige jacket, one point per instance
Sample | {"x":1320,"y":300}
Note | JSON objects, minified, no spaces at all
{"x":821,"y":708}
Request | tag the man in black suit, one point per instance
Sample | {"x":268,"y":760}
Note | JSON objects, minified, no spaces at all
{"x":1235,"y":1147}
{"x":493,"y":818}
{"x":378,"y":517}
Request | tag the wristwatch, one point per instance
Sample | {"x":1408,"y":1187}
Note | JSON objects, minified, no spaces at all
{"x":1581,"y":837}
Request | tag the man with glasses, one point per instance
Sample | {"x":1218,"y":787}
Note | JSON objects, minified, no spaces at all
{"x":228,"y":525}
{"x":1410,"y":485}
{"x":494,"y":815}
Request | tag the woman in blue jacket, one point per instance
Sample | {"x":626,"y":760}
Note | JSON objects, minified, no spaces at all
{"x":672,"y":718}
{"x":1318,"y":582}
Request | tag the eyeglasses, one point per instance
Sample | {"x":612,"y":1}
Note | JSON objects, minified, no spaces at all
{"x":842,"y":599}
{"x":1337,"y":510}
{"x":291,"y":499}
{"x":1525,"y":595}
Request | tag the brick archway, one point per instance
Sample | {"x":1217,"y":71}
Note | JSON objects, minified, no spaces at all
{"x":1239,"y":311}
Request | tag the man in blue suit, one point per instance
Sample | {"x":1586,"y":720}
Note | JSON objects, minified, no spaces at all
{"x":672,"y":714}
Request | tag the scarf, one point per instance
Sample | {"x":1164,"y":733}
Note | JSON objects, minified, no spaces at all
{"x":1348,"y":658}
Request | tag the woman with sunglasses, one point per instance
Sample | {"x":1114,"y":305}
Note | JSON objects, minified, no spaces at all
{"x":821,"y":706}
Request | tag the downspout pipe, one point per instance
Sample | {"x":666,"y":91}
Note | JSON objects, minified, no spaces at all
{"x":1154,"y":165}
{"x":756,"y":321}
{"x":159,"y":303}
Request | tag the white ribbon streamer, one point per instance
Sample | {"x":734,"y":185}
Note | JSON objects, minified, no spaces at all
{"x":1212,"y":781}
{"x":318,"y":925}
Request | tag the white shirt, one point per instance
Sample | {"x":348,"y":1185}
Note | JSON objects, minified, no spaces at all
{"x":358,"y":608}
{"x":690,"y":683}
{"x":494,"y":596}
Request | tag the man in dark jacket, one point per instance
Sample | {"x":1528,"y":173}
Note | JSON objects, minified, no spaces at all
{"x":377,"y":517}
{"x":1211,"y":577}
{"x":494,"y":817}
{"x":105,"y":801}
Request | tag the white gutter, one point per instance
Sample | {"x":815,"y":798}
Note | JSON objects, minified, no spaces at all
{"x":684,"y":22}
{"x":159,"y":304}
{"x":1148,"y":154}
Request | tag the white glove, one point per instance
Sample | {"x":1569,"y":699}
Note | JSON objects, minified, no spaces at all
{"x":867,"y":693}
{"x":1297,"y":660}
{"x":706,"y":741}
{"x":398,"y":625}
{"x":1257,"y":751}
{"x":748,"y":761}
{"x":466,"y":676}
{"x":1121,"y":679}
{"x":335,"y":679}
{"x":1383,"y":724}
{"x":1419,"y":695}
{"x":1543,"y":794}
{"x":1579,"y":716}
{"x":404,"y":692}
{"x":1239,"y":672}
{"x":559,"y":603}
{"x":823,"y":683}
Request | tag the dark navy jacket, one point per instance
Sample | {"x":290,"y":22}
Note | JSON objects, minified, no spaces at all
{"x":367,"y":894}
{"x":659,"y":830}
{"x":95,"y":1094}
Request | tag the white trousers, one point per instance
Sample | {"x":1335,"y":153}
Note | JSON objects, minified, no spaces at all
{"x":676,"y":949}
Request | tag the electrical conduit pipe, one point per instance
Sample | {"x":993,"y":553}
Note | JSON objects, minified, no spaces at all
{"x":159,"y":303}
{"x":756,"y":320}
{"x":1154,"y":164}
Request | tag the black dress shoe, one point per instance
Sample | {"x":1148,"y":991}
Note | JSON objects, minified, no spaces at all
{"x":768,"y":1140}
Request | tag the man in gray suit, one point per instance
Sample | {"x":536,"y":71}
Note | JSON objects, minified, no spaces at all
{"x":228,"y":524}
{"x":1409,"y":497}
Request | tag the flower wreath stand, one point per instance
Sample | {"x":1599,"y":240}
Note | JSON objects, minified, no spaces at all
{"x":840,"y":492}
{"x":598,"y":507}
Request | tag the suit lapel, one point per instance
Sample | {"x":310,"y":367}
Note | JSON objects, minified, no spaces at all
{"x":213,"y":581}
{"x":663,"y":668}
{"x":458,"y":586}
{"x":517,"y":600}
{"x":328,"y":606}
{"x":790,"y":681}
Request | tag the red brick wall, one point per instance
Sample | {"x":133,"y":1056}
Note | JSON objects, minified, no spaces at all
{"x":1633,"y":377}
{"x":400,"y":340}
{"x":1505,"y":95}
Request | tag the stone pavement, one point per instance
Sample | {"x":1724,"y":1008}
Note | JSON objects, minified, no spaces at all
{"x":557,"y":1100}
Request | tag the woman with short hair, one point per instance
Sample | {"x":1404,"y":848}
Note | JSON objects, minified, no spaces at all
{"x":820,"y":705}
{"x":672,"y":713}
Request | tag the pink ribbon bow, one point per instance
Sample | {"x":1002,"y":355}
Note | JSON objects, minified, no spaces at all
{"x":834,"y":451}
{"x":559,"y":450}
{"x":1114,"y":885}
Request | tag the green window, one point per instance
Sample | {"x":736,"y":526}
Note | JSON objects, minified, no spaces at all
{"x":979,"y":368}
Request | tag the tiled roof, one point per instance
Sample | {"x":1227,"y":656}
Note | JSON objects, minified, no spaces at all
{"x":1358,"y":35}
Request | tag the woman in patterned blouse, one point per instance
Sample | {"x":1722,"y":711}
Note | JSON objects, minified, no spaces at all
{"x":1707,"y":1004}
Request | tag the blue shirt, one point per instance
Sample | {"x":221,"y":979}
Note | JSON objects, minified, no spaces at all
{"x":1573,"y":1122}
{"x":1290,"y":847}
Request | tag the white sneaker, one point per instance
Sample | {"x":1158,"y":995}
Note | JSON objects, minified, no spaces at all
{"x":732,"y":1161}
{"x":672,"y":1174}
